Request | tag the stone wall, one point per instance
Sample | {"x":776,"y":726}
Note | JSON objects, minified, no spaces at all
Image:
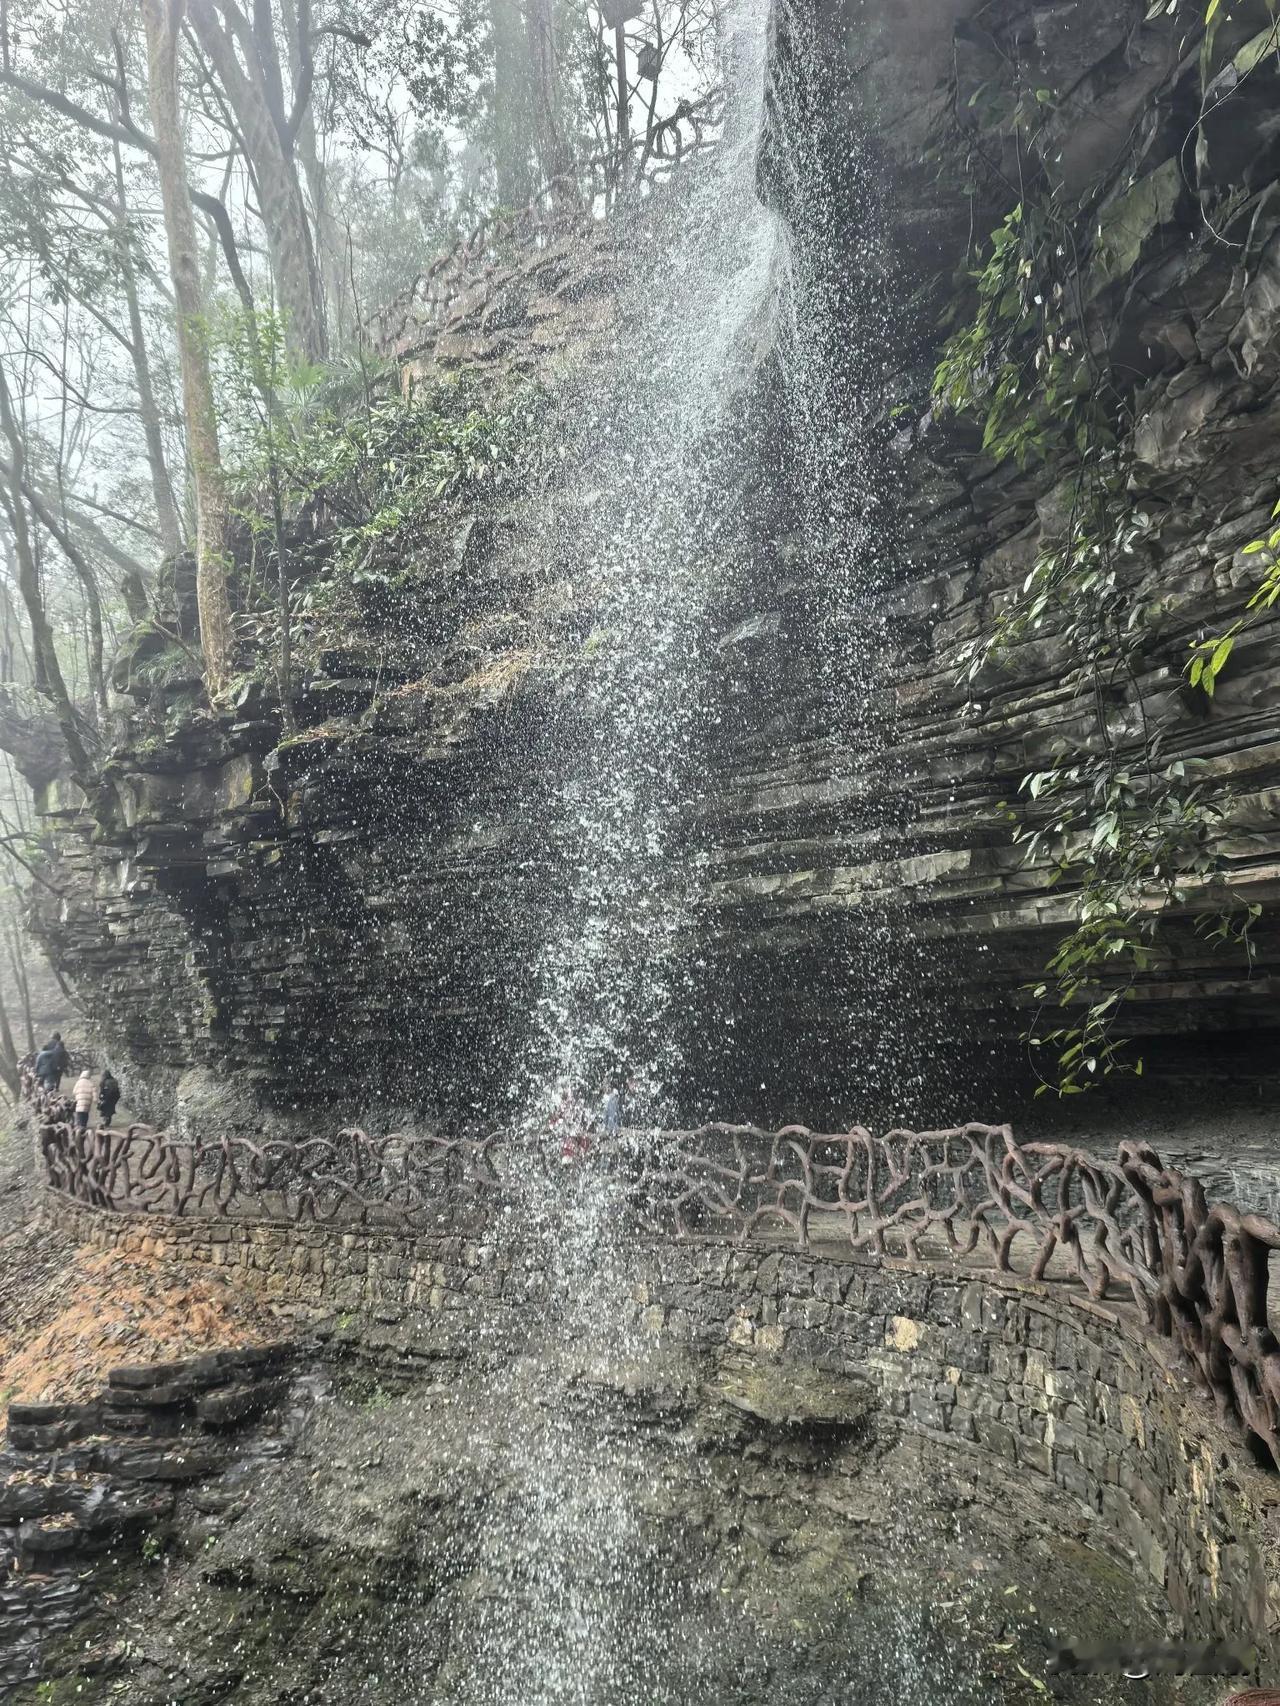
{"x":1000,"y":1381}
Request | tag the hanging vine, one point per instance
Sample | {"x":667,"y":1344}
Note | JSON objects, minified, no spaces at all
{"x":1122,"y":826}
{"x":1210,"y":656}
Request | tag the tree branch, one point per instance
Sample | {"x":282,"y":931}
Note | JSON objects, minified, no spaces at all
{"x":87,"y":120}
{"x":6,"y":846}
{"x":129,"y":566}
{"x":51,"y":681}
{"x":307,"y":39}
{"x":129,"y":134}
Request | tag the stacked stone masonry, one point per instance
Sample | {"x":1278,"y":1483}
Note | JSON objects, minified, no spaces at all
{"x":1009,"y":1377}
{"x":1198,"y":1271}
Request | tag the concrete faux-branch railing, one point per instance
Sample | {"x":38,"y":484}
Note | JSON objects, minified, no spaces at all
{"x":1198,"y":1271}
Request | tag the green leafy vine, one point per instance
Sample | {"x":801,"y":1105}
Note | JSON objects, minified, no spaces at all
{"x":1118,"y":825}
{"x":1210,"y":657}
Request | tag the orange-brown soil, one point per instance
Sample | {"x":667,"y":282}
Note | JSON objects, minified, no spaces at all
{"x":70,"y":1313}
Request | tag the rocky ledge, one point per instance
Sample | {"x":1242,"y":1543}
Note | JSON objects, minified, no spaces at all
{"x":366,"y":1515}
{"x":243,"y":904}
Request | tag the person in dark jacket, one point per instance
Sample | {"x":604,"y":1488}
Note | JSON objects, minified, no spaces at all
{"x":61,"y":1059}
{"x":108,"y":1096}
{"x":46,"y":1075}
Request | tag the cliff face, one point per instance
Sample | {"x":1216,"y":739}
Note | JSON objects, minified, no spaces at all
{"x":1176,"y":247}
{"x":347,"y":919}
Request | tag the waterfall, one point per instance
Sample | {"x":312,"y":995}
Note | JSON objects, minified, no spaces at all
{"x":846,"y":338}
{"x":644,"y":535}
{"x":644,"y":528}
{"x":652,"y":530}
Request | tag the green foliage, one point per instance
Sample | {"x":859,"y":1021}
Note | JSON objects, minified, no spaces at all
{"x":448,"y":63}
{"x":1080,"y":588}
{"x":339,"y":433}
{"x":386,"y":473}
{"x":1130,"y":840}
{"x":263,"y":391}
{"x":1017,"y":363}
{"x":1119,"y":826}
{"x":162,"y":667}
{"x":1209,"y":657}
{"x":370,"y":470}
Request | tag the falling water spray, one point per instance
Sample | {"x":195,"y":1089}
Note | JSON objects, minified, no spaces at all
{"x":715,"y":281}
{"x":846,"y":330}
{"x":647,"y":518}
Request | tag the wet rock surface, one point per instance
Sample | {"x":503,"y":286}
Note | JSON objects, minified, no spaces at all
{"x":84,"y":1486}
{"x":773,"y":1476}
{"x":254,"y":903}
{"x":1028,"y":1383}
{"x":372,"y":1541}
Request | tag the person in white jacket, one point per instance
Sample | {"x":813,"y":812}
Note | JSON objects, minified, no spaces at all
{"x":82,"y":1094}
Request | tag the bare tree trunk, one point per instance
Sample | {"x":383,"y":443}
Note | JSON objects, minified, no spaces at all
{"x":8,"y":1055}
{"x":328,"y":233}
{"x":162,"y":19}
{"x":553,"y":150}
{"x":256,"y":99}
{"x":24,"y":987}
{"x":87,"y":576}
{"x":49,"y":677}
{"x":512,"y":109}
{"x":328,"y":238}
{"x":659,"y":47}
{"x":94,"y":642}
{"x":624,"y":95}
{"x":148,"y":409}
{"x":15,"y":639}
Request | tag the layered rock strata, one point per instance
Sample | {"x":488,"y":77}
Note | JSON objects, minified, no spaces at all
{"x":367,"y":898}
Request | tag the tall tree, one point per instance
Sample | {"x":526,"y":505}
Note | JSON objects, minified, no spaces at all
{"x":8,"y":1054}
{"x":512,"y":108}
{"x":148,"y":409}
{"x":246,"y":56}
{"x":163,"y":20}
{"x":17,"y":965}
{"x":554,"y":153}
{"x":50,"y":680}
{"x":330,"y":253}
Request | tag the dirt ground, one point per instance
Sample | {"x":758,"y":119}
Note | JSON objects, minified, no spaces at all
{"x":69,"y":1313}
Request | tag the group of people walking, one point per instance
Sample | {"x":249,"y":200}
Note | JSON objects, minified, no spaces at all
{"x":577,"y":1126}
{"x":53,"y":1063}
{"x":574,"y":1123}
